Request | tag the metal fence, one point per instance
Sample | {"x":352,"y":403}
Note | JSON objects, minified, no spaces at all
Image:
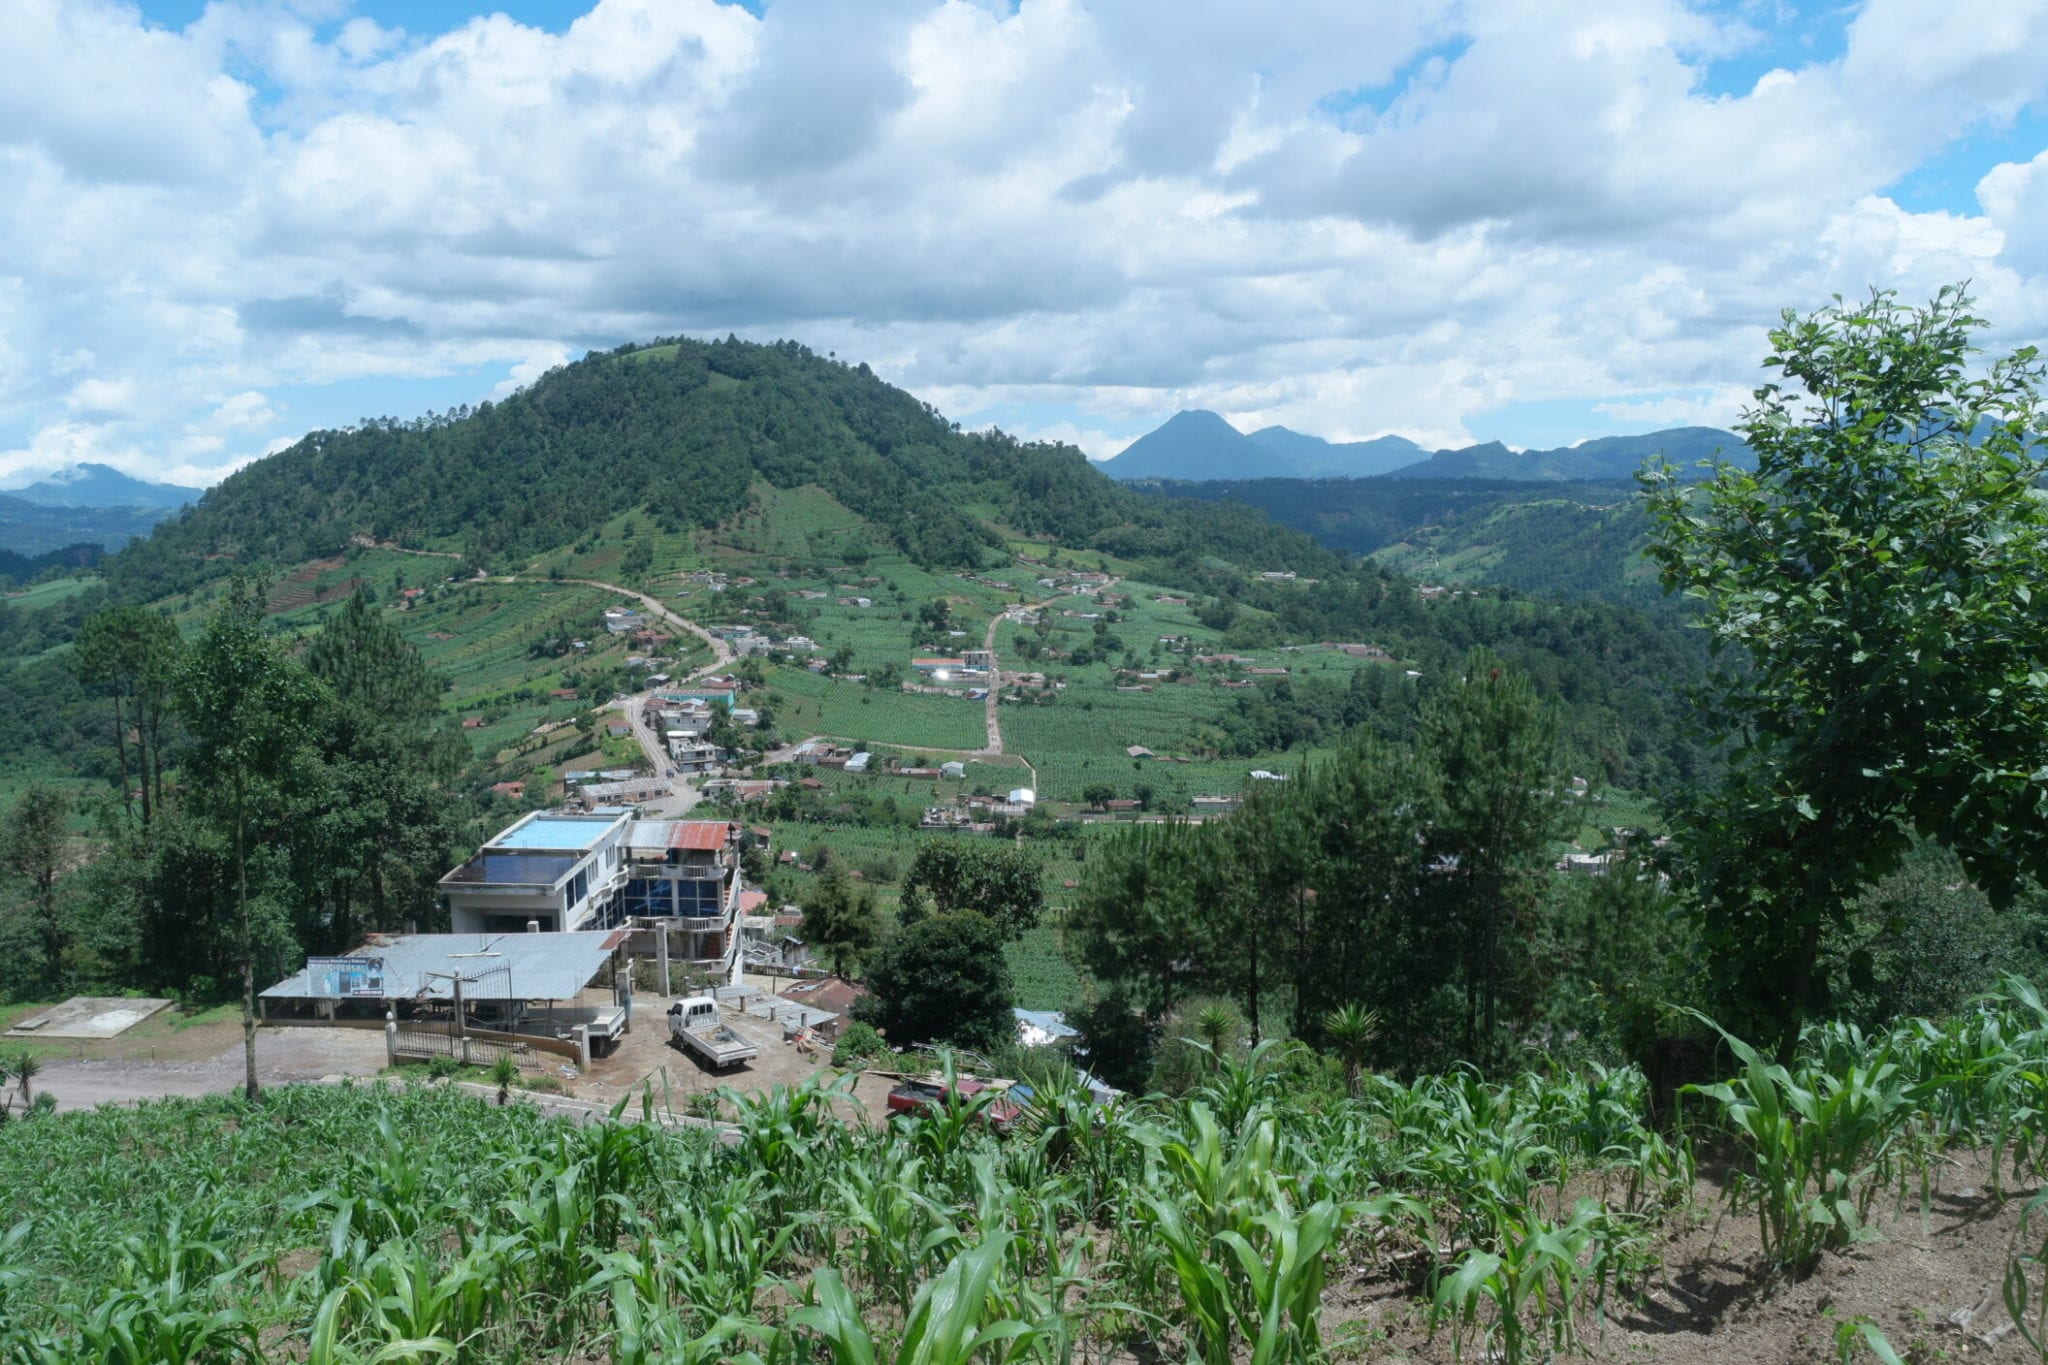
{"x":424,"y":1040}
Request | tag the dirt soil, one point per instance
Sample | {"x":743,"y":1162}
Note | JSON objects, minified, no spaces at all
{"x":1932,"y":1288}
{"x":176,"y":1054}
{"x":645,"y":1056}
{"x":201,"y":1065}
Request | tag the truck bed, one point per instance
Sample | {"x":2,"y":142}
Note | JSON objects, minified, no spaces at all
{"x":719,"y":1046}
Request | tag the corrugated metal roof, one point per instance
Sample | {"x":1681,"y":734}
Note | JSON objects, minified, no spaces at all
{"x":553,"y":966}
{"x":649,"y":834}
{"x":701,"y":836}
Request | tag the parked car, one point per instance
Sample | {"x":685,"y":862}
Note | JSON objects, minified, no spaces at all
{"x":914,"y":1097}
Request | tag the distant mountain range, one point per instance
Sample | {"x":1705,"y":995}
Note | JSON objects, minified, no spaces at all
{"x":99,"y":485}
{"x":93,"y":504}
{"x":1201,"y":446}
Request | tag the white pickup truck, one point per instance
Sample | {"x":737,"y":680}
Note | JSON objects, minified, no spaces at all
{"x":693,"y":1024}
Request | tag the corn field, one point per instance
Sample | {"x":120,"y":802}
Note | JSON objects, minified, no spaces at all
{"x":334,"y":1224}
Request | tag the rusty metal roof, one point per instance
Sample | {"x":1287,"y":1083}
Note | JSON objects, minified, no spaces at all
{"x":701,"y":836}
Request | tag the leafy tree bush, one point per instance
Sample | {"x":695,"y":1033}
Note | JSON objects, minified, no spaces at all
{"x":841,"y":922}
{"x":1003,"y":882}
{"x":942,"y":980}
{"x":857,"y":1042}
{"x":1882,"y":667}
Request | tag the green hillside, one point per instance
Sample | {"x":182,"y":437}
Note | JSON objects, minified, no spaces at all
{"x":645,"y":466}
{"x":684,"y":430}
{"x":1548,"y":539}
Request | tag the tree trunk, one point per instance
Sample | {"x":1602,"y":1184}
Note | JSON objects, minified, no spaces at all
{"x":1802,"y":991}
{"x":121,"y":754}
{"x":53,"y":931}
{"x":248,"y":947}
{"x":1251,"y":925}
{"x":155,"y":759}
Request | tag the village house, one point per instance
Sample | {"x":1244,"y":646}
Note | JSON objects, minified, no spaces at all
{"x":690,"y":756}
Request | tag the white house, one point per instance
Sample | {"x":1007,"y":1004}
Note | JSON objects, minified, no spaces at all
{"x":559,"y":871}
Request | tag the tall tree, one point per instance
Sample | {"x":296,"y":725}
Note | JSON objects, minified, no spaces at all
{"x":943,"y":980}
{"x":32,"y":848}
{"x":391,"y":822}
{"x":841,"y":922}
{"x":1137,"y":923}
{"x":249,"y":709}
{"x":1005,"y":882}
{"x":1882,"y":667}
{"x":132,"y":655}
{"x":1494,"y":745}
{"x":1362,"y":931}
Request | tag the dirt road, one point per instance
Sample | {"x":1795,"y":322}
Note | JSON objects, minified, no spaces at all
{"x":682,"y":795}
{"x":282,"y":1055}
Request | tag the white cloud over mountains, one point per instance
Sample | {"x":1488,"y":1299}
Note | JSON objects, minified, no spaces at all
{"x":1349,"y":217}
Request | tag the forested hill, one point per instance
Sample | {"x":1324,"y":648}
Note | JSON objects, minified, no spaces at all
{"x":684,"y":429}
{"x":1546,"y":539}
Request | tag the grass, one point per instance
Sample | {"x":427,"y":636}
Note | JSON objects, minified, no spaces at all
{"x":48,"y":592}
{"x":812,"y":703}
{"x":175,"y":1034}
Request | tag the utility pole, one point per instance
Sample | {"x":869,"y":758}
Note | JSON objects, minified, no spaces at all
{"x":461,"y":1023}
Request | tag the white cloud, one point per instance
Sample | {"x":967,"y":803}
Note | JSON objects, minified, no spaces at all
{"x":1719,"y":407}
{"x":1351,"y":218}
{"x":530,"y":369}
{"x":1093,"y":442}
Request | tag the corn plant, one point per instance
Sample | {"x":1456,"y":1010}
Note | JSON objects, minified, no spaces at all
{"x":956,"y":1317}
{"x":1821,"y":1142}
{"x":1524,"y":1294}
{"x":2026,"y":1287}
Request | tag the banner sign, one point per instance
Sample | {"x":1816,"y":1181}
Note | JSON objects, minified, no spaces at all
{"x":345,"y":976}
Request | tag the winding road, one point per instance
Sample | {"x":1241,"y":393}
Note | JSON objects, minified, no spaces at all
{"x":722,"y":656}
{"x":679,"y":788}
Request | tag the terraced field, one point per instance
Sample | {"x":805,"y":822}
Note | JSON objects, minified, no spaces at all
{"x":44,"y":594}
{"x":815,"y":704}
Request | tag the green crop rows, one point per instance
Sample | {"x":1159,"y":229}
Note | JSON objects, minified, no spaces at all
{"x":336,"y":1224}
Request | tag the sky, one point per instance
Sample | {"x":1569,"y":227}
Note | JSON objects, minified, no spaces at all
{"x":1536,"y":221}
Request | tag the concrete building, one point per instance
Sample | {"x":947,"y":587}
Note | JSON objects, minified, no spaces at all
{"x":692,"y":756}
{"x":608,"y":871}
{"x":556,"y":871}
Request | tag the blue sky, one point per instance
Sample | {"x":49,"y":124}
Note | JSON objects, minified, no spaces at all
{"x":1534,"y":221}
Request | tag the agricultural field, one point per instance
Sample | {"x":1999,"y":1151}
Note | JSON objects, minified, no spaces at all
{"x":984,"y":776}
{"x":814,"y":704}
{"x":1043,"y":976}
{"x":49,"y":591}
{"x":1276,"y":1212}
{"x":879,"y":858}
{"x":1081,"y":736}
{"x":800,"y":526}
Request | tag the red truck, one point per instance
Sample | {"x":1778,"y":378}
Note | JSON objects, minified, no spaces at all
{"x":914,"y":1097}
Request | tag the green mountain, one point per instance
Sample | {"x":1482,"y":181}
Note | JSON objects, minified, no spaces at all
{"x":1317,"y":458}
{"x":1554,"y":539}
{"x":1200,"y":445}
{"x":1608,"y":457}
{"x":682,"y":430}
{"x":99,"y":485}
{"x":815,"y":488}
{"x":34,"y":529}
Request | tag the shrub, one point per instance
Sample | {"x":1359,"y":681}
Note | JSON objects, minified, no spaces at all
{"x":857,"y":1043}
